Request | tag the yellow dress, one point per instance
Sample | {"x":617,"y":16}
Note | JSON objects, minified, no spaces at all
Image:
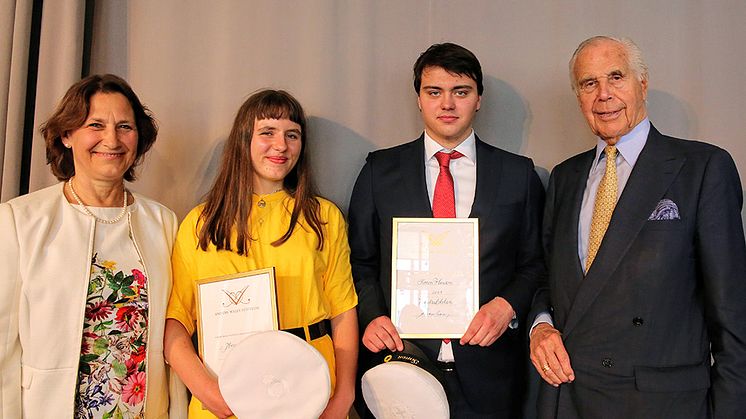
{"x":312,"y":285}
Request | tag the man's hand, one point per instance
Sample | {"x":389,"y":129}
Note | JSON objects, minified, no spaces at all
{"x":549,"y":356}
{"x":381,"y":334}
{"x":489,"y":323}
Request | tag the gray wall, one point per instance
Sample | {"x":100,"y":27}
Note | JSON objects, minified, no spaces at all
{"x":349,"y":63}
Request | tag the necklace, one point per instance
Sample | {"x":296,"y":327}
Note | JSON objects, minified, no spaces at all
{"x":87,"y":211}
{"x":262,"y":203}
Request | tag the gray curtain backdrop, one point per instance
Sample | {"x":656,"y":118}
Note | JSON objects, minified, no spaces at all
{"x":60,"y":63}
{"x":349,"y":63}
{"x":60,"y":58}
{"x":15,"y":26}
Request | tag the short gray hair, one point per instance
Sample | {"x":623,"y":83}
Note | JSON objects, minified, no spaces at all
{"x":631,"y":50}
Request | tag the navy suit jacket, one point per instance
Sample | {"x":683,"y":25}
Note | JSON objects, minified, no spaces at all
{"x":661,"y":295}
{"x":508,"y":203}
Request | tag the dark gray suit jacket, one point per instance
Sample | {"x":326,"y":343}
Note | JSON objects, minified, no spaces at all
{"x":660,"y":295}
{"x":508,"y":202}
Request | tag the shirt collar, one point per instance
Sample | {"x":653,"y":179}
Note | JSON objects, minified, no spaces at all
{"x":468,"y":147}
{"x":630,"y":145}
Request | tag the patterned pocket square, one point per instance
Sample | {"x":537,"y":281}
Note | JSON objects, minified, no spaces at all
{"x":665,"y":210}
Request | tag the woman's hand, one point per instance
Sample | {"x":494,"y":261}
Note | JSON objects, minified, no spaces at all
{"x":213,"y":401}
{"x":338,"y":407}
{"x":345,"y":341}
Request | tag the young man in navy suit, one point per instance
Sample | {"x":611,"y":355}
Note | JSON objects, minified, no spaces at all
{"x":645,"y":314}
{"x":484,"y":370}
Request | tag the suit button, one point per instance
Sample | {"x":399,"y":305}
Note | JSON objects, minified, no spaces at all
{"x":607,"y":363}
{"x":638,"y":321}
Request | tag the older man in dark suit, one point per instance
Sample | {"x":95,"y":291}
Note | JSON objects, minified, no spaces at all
{"x":485,"y":368}
{"x":645,"y":314}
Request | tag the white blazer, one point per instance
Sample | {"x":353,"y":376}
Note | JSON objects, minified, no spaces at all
{"x":45,"y":264}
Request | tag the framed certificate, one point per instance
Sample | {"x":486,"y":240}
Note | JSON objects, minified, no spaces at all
{"x":434,"y":276}
{"x":231,"y":307}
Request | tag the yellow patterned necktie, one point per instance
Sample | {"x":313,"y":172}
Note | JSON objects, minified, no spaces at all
{"x":603,"y":207}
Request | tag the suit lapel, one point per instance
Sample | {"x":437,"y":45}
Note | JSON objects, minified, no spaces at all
{"x":488,"y":180}
{"x":412,"y":172}
{"x":655,"y":170}
{"x":571,"y":282}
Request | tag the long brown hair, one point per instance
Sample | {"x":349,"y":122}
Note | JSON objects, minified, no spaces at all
{"x":229,"y":200}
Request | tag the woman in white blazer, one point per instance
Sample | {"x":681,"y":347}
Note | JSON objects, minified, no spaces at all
{"x":85,"y":273}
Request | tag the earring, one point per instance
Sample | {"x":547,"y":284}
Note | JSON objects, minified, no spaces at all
{"x":67,"y":145}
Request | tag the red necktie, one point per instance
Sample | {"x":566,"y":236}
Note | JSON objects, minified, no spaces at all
{"x":444,"y":203}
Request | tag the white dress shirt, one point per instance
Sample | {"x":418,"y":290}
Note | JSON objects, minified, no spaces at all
{"x":463,"y":170}
{"x":464,"y":173}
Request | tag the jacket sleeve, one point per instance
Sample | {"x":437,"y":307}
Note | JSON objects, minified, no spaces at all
{"x":178,"y":401}
{"x":182,"y":303}
{"x":721,"y":252}
{"x":542,"y":300}
{"x":529,"y":272}
{"x":10,"y":346}
{"x":365,"y":257}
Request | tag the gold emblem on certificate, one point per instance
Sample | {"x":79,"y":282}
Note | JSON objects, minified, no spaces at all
{"x":435,"y":276}
{"x":232,"y":307}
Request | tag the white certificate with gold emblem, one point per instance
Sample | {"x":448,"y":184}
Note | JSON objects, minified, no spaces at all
{"x":231,"y":307}
{"x":434,"y":276}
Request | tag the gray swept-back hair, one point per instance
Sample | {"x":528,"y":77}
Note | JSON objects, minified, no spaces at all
{"x":631,"y":50}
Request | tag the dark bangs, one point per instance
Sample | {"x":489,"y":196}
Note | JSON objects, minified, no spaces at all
{"x":278,"y":104}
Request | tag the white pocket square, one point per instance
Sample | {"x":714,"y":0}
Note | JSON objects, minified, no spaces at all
{"x":665,"y":210}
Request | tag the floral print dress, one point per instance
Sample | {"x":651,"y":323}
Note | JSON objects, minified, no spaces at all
{"x":112,"y":374}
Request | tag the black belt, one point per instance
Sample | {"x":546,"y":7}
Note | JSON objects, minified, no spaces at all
{"x":446,"y":366}
{"x":315,"y":330}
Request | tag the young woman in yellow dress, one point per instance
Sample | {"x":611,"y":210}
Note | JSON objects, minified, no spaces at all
{"x":262,"y":211}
